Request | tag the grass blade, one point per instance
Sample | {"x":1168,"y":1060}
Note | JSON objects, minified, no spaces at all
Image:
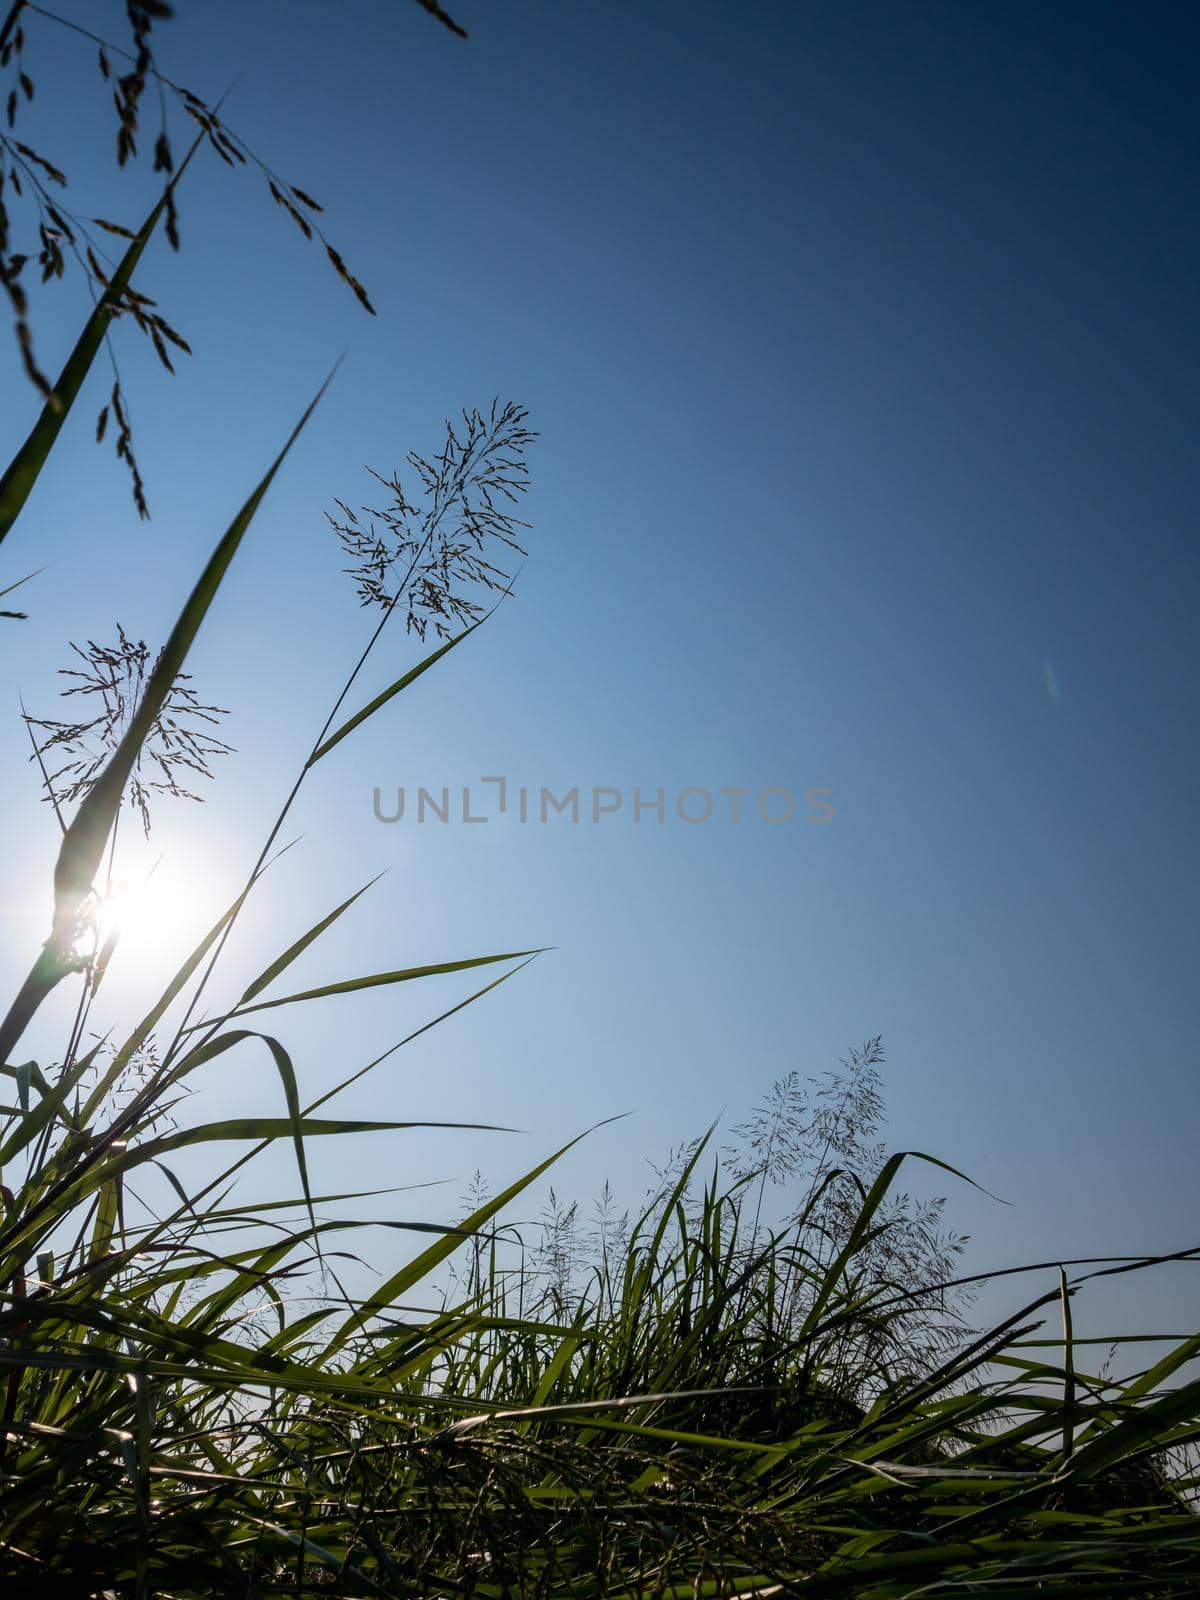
{"x":23,"y":471}
{"x":84,"y":841}
{"x":373,"y":980}
{"x":391,"y":692}
{"x":300,"y":946}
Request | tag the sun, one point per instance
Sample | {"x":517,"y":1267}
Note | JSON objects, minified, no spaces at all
{"x":151,"y":913}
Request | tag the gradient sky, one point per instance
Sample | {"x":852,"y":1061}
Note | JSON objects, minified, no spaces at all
{"x":861,"y":339}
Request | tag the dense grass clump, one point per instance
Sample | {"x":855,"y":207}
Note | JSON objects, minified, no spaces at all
{"x":696,"y":1408}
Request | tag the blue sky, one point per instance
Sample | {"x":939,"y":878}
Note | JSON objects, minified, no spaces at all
{"x":862,"y":344}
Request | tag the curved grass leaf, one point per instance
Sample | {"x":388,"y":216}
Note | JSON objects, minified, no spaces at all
{"x":401,"y":1282}
{"x":372,"y":981}
{"x":23,"y":471}
{"x":301,"y":945}
{"x":84,"y":841}
{"x":391,"y":692}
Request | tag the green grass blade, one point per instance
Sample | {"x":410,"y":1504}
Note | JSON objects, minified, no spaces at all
{"x":18,"y":616}
{"x":391,"y":692}
{"x":25,"y":467}
{"x":79,"y":857}
{"x":154,"y":1016}
{"x":300,"y":946}
{"x":84,"y":841}
{"x":400,"y":1282}
{"x":291,"y":1093}
{"x":373,"y":980}
{"x":49,"y":1106}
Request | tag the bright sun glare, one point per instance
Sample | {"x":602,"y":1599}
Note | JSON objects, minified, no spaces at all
{"x":154,"y":912}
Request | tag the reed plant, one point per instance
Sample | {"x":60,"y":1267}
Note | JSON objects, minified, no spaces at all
{"x":725,"y":1396}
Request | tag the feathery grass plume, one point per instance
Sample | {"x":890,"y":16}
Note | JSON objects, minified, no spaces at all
{"x":464,"y":485}
{"x":178,"y":743}
{"x":554,"y":1260}
{"x":40,"y":231}
{"x":820,"y":1138}
{"x":430,"y":549}
{"x":126,"y":68}
{"x":24,"y":469}
{"x":92,"y":827}
{"x":32,"y":178}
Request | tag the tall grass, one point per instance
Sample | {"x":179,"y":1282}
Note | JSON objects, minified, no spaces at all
{"x":711,"y":1404}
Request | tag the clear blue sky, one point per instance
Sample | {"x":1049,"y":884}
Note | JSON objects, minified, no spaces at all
{"x":862,"y":342}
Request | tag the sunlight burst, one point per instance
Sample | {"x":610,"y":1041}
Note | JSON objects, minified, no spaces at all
{"x":151,"y":913}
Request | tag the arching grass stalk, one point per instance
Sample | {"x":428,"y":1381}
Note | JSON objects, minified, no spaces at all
{"x":464,"y":472}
